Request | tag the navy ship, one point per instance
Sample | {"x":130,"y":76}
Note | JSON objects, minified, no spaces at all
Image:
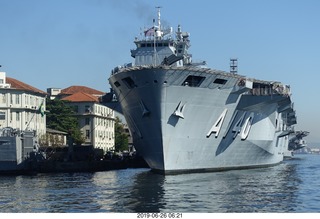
{"x":186,"y":117}
{"x":19,"y":151}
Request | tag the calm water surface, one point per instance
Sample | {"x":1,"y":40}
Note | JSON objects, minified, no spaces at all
{"x":293,"y":186}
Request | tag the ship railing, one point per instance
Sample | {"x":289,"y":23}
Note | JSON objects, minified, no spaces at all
{"x":283,"y":89}
{"x":119,"y":67}
{"x":9,"y":132}
{"x":266,"y":91}
{"x":128,"y":66}
{"x":261,"y":91}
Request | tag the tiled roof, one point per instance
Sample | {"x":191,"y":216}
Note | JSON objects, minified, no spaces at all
{"x":22,"y":86}
{"x":84,"y":89}
{"x":81,"y":97}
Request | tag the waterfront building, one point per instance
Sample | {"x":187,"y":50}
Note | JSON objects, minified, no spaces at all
{"x":96,"y":121}
{"x":21,"y":105}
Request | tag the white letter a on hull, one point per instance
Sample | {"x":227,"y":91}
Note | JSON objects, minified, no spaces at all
{"x":217,"y":125}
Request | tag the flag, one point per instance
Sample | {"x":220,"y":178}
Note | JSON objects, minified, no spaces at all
{"x":149,"y":32}
{"x":41,"y":109}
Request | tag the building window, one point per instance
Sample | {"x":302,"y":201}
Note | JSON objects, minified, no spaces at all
{"x":87,"y":121}
{"x":2,"y":115}
{"x":87,"y":134}
{"x":31,"y":100}
{"x":75,"y":109}
{"x":17,"y":116}
{"x":17,"y":99}
{"x":3,"y":98}
{"x":87,"y":109}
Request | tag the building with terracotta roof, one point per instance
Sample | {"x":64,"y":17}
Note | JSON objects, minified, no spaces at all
{"x":61,"y":93}
{"x":96,"y":121}
{"x":20,"y":104}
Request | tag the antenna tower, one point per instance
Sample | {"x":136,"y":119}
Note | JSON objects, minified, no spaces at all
{"x":233,"y":66}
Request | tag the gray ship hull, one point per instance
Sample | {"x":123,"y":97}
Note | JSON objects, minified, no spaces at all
{"x":207,"y":127}
{"x":17,"y":151}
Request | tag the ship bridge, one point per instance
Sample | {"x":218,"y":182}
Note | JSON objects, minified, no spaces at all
{"x":151,"y":52}
{"x":158,"y":47}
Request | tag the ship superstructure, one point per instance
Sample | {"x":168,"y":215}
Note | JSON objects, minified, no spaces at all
{"x":184,"y":116}
{"x":296,"y":141}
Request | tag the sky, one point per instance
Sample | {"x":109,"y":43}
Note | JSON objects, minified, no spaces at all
{"x":61,"y":43}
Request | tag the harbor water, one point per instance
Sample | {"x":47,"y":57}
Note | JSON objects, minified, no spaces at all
{"x":292,"y":186}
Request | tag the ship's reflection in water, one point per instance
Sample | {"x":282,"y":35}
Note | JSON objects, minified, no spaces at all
{"x":258,"y":190}
{"x":292,"y":186}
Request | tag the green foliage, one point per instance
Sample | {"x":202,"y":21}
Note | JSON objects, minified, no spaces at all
{"x":61,"y":117}
{"x":121,"y":138}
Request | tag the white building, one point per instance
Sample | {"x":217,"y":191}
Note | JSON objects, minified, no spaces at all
{"x":54,"y":92}
{"x":20,"y":105}
{"x":96,"y":121}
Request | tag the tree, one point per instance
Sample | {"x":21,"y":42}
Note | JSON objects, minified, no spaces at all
{"x":62,"y":117}
{"x":121,"y":138}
